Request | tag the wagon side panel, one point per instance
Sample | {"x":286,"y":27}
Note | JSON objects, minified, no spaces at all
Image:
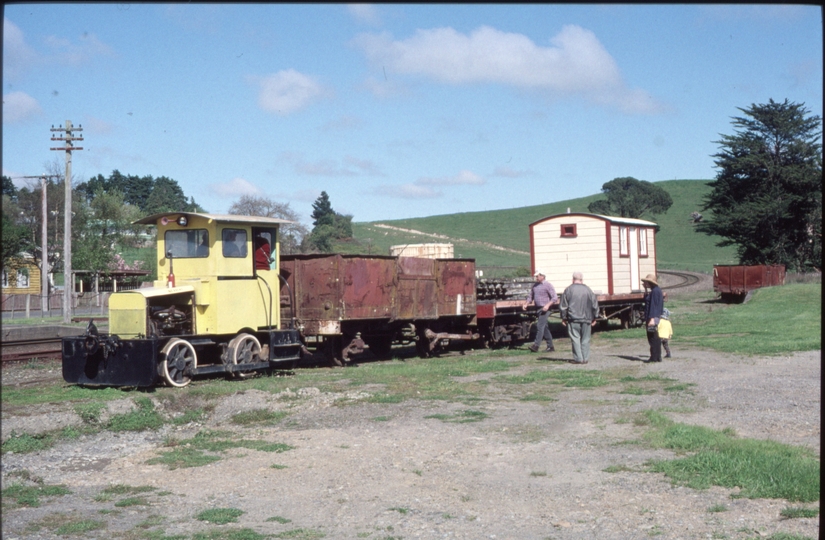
{"x":316,"y":289}
{"x":456,"y":287}
{"x":416,"y":288}
{"x":368,"y":287}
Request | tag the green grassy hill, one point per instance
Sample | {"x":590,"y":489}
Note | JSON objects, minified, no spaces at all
{"x":500,"y":237}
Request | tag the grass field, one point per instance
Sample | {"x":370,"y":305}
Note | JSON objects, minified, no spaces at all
{"x":679,"y":246}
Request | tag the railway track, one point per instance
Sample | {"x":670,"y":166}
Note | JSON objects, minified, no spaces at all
{"x":27,"y":349}
{"x":687,"y":278}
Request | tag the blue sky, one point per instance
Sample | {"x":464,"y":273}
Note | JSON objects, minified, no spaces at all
{"x":396,"y":110}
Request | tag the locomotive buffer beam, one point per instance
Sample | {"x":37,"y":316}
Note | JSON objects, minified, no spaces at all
{"x":435,"y":338}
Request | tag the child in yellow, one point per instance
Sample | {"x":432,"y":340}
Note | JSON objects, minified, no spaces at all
{"x":665,"y":331}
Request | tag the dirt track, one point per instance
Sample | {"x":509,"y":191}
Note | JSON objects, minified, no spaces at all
{"x":528,"y":469}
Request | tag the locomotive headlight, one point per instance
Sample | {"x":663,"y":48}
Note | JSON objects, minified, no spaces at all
{"x":182,"y":221}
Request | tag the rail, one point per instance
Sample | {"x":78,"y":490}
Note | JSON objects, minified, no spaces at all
{"x":687,"y":278}
{"x":28,"y":349}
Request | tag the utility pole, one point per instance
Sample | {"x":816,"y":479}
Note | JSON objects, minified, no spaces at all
{"x":68,"y":281}
{"x":44,"y":254}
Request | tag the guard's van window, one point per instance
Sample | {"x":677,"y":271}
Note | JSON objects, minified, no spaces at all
{"x":234,"y":243}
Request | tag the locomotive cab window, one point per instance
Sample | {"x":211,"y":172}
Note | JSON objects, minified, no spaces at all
{"x":187,"y":244}
{"x":234,"y":243}
{"x":568,"y":231}
{"x":264,"y":247}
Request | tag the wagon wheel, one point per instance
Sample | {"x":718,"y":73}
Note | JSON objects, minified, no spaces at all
{"x":244,"y":349}
{"x":179,"y":361}
{"x":625,"y":318}
{"x":380,"y":346}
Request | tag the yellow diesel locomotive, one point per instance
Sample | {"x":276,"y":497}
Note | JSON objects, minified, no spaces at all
{"x":175,"y":330}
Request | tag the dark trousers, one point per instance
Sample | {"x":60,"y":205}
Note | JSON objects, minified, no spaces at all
{"x":655,"y":346}
{"x":543,"y":330}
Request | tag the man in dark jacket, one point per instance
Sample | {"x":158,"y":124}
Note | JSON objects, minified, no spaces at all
{"x":579,"y":310}
{"x":654,"y":305}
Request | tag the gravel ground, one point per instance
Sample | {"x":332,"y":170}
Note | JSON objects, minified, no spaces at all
{"x":529,"y":470}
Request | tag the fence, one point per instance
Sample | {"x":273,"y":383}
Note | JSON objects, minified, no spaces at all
{"x":29,"y":305}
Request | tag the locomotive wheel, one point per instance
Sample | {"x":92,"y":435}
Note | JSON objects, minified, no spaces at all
{"x":244,"y":349}
{"x":180,"y":359}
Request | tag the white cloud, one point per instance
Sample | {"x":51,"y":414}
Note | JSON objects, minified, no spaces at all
{"x":575,"y":64}
{"x":64,"y":51}
{"x":351,"y":166}
{"x":463,"y":178}
{"x":408,"y":191}
{"x":365,"y":13}
{"x":507,"y":172}
{"x":17,"y":55}
{"x":287,"y":91}
{"x":236,"y":187}
{"x":18,"y":107}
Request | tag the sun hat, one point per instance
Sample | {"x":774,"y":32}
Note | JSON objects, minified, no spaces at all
{"x":651,"y":278}
{"x":666,"y":314}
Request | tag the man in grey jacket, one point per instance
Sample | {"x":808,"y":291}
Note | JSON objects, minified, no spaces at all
{"x":579,"y":309}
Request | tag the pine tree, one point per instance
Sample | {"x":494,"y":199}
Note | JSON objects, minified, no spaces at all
{"x":767,"y":197}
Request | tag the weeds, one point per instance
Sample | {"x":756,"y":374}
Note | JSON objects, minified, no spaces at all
{"x":224,"y":534}
{"x":799,"y":512}
{"x":220,"y":516}
{"x":760,"y":468}
{"x":300,"y":534}
{"x":30,"y":496}
{"x":462,"y":417}
{"x":142,"y":418}
{"x":193,"y":452}
{"x":258,"y":416}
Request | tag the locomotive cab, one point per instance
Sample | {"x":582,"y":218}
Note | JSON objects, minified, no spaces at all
{"x":215,"y":307}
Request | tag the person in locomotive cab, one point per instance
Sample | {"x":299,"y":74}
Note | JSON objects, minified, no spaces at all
{"x":230,"y":248}
{"x":654,"y":306}
{"x":579,"y":309}
{"x":262,"y":253}
{"x":544,"y":296}
{"x":203,"y":247}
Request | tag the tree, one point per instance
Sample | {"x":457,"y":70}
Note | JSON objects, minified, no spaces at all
{"x":329,"y":225}
{"x":292,"y":234}
{"x":631,"y":198}
{"x":322,"y":212}
{"x":767,"y":196}
{"x":166,"y":196}
{"x":15,"y":238}
{"x":9,"y":188}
